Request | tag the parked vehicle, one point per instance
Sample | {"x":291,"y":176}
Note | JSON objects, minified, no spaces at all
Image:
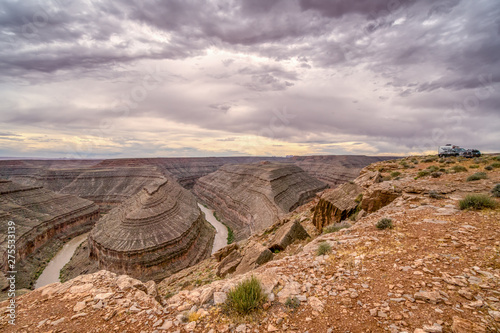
{"x":452,"y":150}
{"x":448,"y":150}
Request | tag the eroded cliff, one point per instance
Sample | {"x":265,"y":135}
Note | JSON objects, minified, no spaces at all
{"x":251,"y":197}
{"x":155,"y":233}
{"x":41,"y":219}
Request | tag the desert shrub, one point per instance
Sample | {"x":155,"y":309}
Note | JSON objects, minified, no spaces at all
{"x":334,"y":228}
{"x":246,"y":297}
{"x":442,"y":170}
{"x":477,"y":176}
{"x":497,"y":158}
{"x":496,"y":191}
{"x":404,"y":165}
{"x":384,"y":223}
{"x":193,"y":316}
{"x":488,"y":167}
{"x":435,"y":195}
{"x":433,"y":168}
{"x":414,"y":161}
{"x":422,"y":173}
{"x":449,"y":162}
{"x":324,"y":248}
{"x":495,"y":165}
{"x":395,"y":174}
{"x":359,"y":198}
{"x":459,"y":168}
{"x":436,"y":174}
{"x":477,"y":202}
{"x":430,"y":159}
{"x":385,"y":178}
{"x":442,"y":160}
{"x":292,"y":302}
{"x":474,"y":166}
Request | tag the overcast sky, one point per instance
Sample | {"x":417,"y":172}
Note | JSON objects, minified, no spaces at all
{"x":133,"y":78}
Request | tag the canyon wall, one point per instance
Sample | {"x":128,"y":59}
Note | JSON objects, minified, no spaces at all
{"x":39,"y":217}
{"x":155,"y":233}
{"x":251,"y":197}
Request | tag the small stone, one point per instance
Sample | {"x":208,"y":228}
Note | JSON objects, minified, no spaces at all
{"x":78,"y":315}
{"x":158,"y":322}
{"x":436,"y":328}
{"x":495,"y":315}
{"x":241,"y":328}
{"x":272,"y":328}
{"x":79,"y":306}
{"x":57,"y":322}
{"x":166,"y":325}
{"x":190,"y":327}
{"x":220,"y":298}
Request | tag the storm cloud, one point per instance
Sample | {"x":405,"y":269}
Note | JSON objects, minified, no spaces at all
{"x":258,"y":77}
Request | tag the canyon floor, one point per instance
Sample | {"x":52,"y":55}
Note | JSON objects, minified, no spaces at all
{"x":436,"y":270}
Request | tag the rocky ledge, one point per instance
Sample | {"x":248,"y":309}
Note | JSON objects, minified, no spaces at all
{"x":157,"y":232}
{"x":39,"y":218}
{"x":252,"y":197}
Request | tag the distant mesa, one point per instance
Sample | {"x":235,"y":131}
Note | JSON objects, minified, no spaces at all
{"x":251,"y":197}
{"x":154,"y":234}
{"x":41,"y":217}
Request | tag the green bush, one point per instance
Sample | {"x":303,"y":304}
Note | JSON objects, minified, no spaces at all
{"x":324,"y":248}
{"x":474,"y":166}
{"x":246,"y":297}
{"x":422,"y":173}
{"x":436,"y":174}
{"x":433,"y":168}
{"x":495,"y":165}
{"x":477,"y":176}
{"x":477,"y":202}
{"x":488,"y":167}
{"x":384,"y":223}
{"x":497,"y":158}
{"x":395,"y":174}
{"x":496,"y":191}
{"x":459,"y":168}
{"x":292,"y":302}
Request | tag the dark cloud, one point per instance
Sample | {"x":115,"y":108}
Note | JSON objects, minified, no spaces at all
{"x":231,"y":66}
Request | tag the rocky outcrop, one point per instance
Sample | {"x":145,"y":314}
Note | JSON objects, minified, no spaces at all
{"x":287,"y":234}
{"x":379,"y":195}
{"x":251,"y":197}
{"x":37,"y":217}
{"x":336,"y":205}
{"x":157,"y":232}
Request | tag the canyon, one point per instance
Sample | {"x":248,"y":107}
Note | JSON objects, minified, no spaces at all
{"x":42,"y":220}
{"x":155,"y":233}
{"x":435,"y":268}
{"x":251,"y":197}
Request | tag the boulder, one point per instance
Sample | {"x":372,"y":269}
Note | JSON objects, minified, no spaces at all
{"x":368,"y":178}
{"x":379,"y":195}
{"x":225,"y":251}
{"x":287,"y":234}
{"x":336,"y":205}
{"x":254,"y":255}
{"x":229,"y":263}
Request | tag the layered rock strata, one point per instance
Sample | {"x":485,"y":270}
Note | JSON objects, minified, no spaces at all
{"x":335,"y":169}
{"x":107,"y":187}
{"x":157,"y":232}
{"x":251,"y":197}
{"x":337,"y":204}
{"x":39,"y":217}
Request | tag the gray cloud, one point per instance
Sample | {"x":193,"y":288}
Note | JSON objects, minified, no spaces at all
{"x":421,"y":72}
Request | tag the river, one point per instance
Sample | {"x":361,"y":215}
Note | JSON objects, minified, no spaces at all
{"x":221,"y":236}
{"x":51,"y":273}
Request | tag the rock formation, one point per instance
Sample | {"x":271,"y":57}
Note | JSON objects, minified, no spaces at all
{"x":336,"y":205}
{"x":39,"y":217}
{"x":251,"y":197}
{"x":107,"y":187}
{"x":335,"y":169}
{"x":157,"y":232}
